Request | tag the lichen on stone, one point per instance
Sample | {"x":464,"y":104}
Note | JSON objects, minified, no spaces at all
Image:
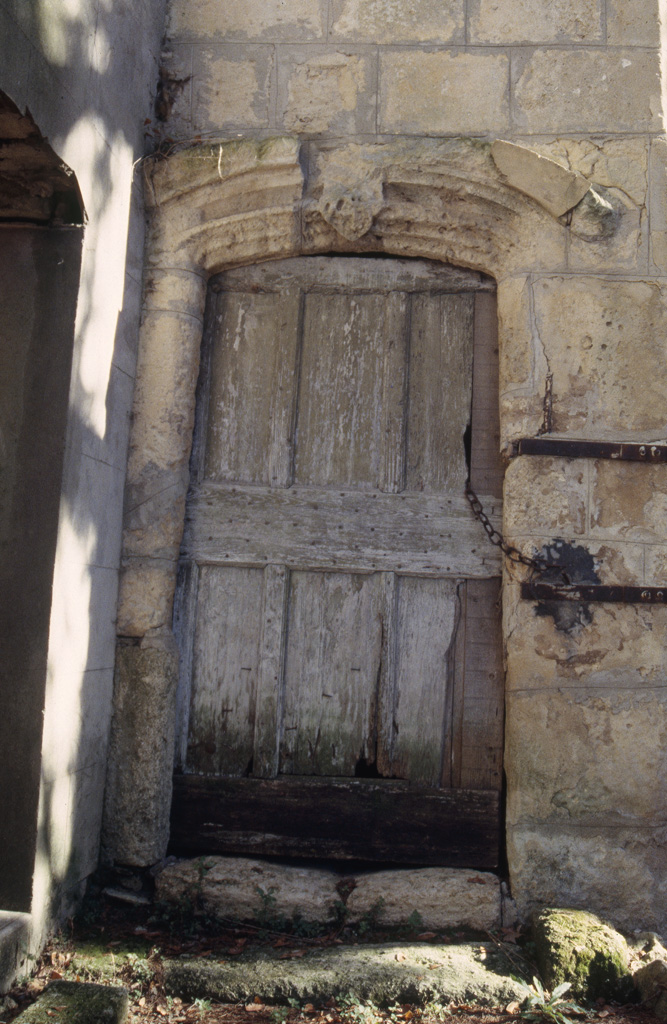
{"x":577,"y":947}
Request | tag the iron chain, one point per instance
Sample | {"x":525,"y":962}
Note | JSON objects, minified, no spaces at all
{"x":537,"y":564}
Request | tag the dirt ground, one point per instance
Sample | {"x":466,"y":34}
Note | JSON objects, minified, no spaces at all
{"x":124,"y":946}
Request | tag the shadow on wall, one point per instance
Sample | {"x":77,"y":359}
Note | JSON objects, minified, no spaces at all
{"x":86,"y":72}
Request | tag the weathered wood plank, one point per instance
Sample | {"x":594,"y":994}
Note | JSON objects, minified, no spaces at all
{"x":486,"y":466}
{"x":440,"y":392}
{"x":334,"y":643}
{"x":353,"y":275}
{"x":270,"y":682}
{"x":344,"y":819}
{"x":251,"y":400}
{"x":387,"y":682}
{"x":339,"y":437}
{"x":478,"y":720}
{"x":225,"y":667}
{"x":427,"y":615}
{"x":394,"y":393}
{"x":428,"y":535}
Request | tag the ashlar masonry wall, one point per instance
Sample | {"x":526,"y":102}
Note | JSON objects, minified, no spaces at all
{"x":583,"y":328}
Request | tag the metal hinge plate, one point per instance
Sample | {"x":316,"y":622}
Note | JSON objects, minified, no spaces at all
{"x":536,"y":591}
{"x":624,"y":451}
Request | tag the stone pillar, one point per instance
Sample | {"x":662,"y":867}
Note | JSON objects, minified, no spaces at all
{"x":138,"y":795}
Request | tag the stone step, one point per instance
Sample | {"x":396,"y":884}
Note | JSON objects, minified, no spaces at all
{"x":383,"y":974}
{"x":14,"y":939}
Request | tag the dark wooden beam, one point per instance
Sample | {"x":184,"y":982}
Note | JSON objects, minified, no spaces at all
{"x":349,"y":819}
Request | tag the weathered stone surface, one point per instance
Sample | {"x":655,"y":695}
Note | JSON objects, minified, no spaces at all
{"x":145,"y":596}
{"x":246,"y":19}
{"x":592,"y":330}
{"x":530,"y":21}
{"x":326,"y":90}
{"x":442,"y":897}
{"x":427,"y":93}
{"x":14,"y":944}
{"x":384,"y":974}
{"x":250,"y":890}
{"x":544,"y":180}
{"x":651,"y":981}
{"x":576,"y":947}
{"x":627,"y":504}
{"x":389,"y":21}
{"x":78,"y":1002}
{"x":635,"y":24}
{"x":603,"y":645}
{"x":141,"y":752}
{"x":608,"y":232}
{"x":587,"y":90}
{"x":658,"y":205}
{"x":545,"y":494}
{"x":352,"y":196}
{"x":231,"y":87}
{"x":615,"y":163}
{"x":621,"y":872}
{"x":550,"y":738}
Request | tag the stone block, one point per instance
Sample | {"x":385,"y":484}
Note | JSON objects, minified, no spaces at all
{"x":270,"y":20}
{"x":14,"y":944}
{"x":544,"y":180}
{"x":546,"y":495}
{"x":608,"y":233}
{"x":658,"y":206}
{"x":567,"y":644}
{"x":618,"y":873}
{"x":175,"y":105}
{"x":633,"y":24}
{"x":230,"y":87}
{"x":330,"y":90}
{"x":604,"y":340}
{"x":592,"y":755}
{"x":386,"y":21}
{"x":146,"y":597}
{"x":586,"y":90}
{"x":578,"y":949}
{"x":250,"y":890}
{"x":79,"y":1002}
{"x":651,"y":982}
{"x":431,"y":93}
{"x":442,"y":897}
{"x":141,"y":752}
{"x":614,"y":163}
{"x":531,"y":21}
{"x":628,"y":501}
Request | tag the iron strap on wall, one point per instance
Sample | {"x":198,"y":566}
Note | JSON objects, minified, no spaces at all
{"x":576,"y":448}
{"x":624,"y":451}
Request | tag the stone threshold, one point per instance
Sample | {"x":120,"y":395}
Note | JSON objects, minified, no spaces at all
{"x":383,"y":974}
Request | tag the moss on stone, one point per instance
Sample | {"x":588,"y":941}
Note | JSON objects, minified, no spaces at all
{"x":577,"y":947}
{"x":78,"y":1003}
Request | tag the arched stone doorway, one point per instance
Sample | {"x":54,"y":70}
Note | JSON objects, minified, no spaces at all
{"x":219,"y":207}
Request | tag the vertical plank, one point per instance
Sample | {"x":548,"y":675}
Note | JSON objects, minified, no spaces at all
{"x":185,"y":618}
{"x":482,"y":719}
{"x":486,"y":466}
{"x":394,"y":392}
{"x":270,"y":676}
{"x":225,"y":668}
{"x":333,"y":657}
{"x":440,"y":392}
{"x":251,"y":402}
{"x":427,"y":615}
{"x":339,"y":437}
{"x":387,"y":689}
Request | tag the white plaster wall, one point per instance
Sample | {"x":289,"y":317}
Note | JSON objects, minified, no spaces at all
{"x":87,"y":69}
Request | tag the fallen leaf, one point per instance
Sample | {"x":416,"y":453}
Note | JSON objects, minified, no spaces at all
{"x":477,"y":879}
{"x":254,"y":1007}
{"x":282,"y":941}
{"x":55,"y":975}
{"x":426,"y":935}
{"x":512,"y":1007}
{"x":162,"y":1010}
{"x":309,"y":1008}
{"x":142,"y":1001}
{"x":257,"y":1000}
{"x":401,"y":956}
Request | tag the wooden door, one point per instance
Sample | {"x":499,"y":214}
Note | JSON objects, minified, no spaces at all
{"x":342,"y":690}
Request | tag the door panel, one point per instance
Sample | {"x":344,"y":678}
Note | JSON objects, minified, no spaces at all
{"x":339,"y":615}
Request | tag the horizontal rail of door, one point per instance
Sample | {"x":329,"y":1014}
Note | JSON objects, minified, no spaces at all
{"x":420,"y":534}
{"x":349,"y":819}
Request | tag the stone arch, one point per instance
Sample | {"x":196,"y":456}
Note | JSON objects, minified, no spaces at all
{"x":218,"y":206}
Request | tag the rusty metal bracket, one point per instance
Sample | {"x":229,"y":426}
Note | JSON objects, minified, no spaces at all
{"x":570,"y":448}
{"x":539,"y":591}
